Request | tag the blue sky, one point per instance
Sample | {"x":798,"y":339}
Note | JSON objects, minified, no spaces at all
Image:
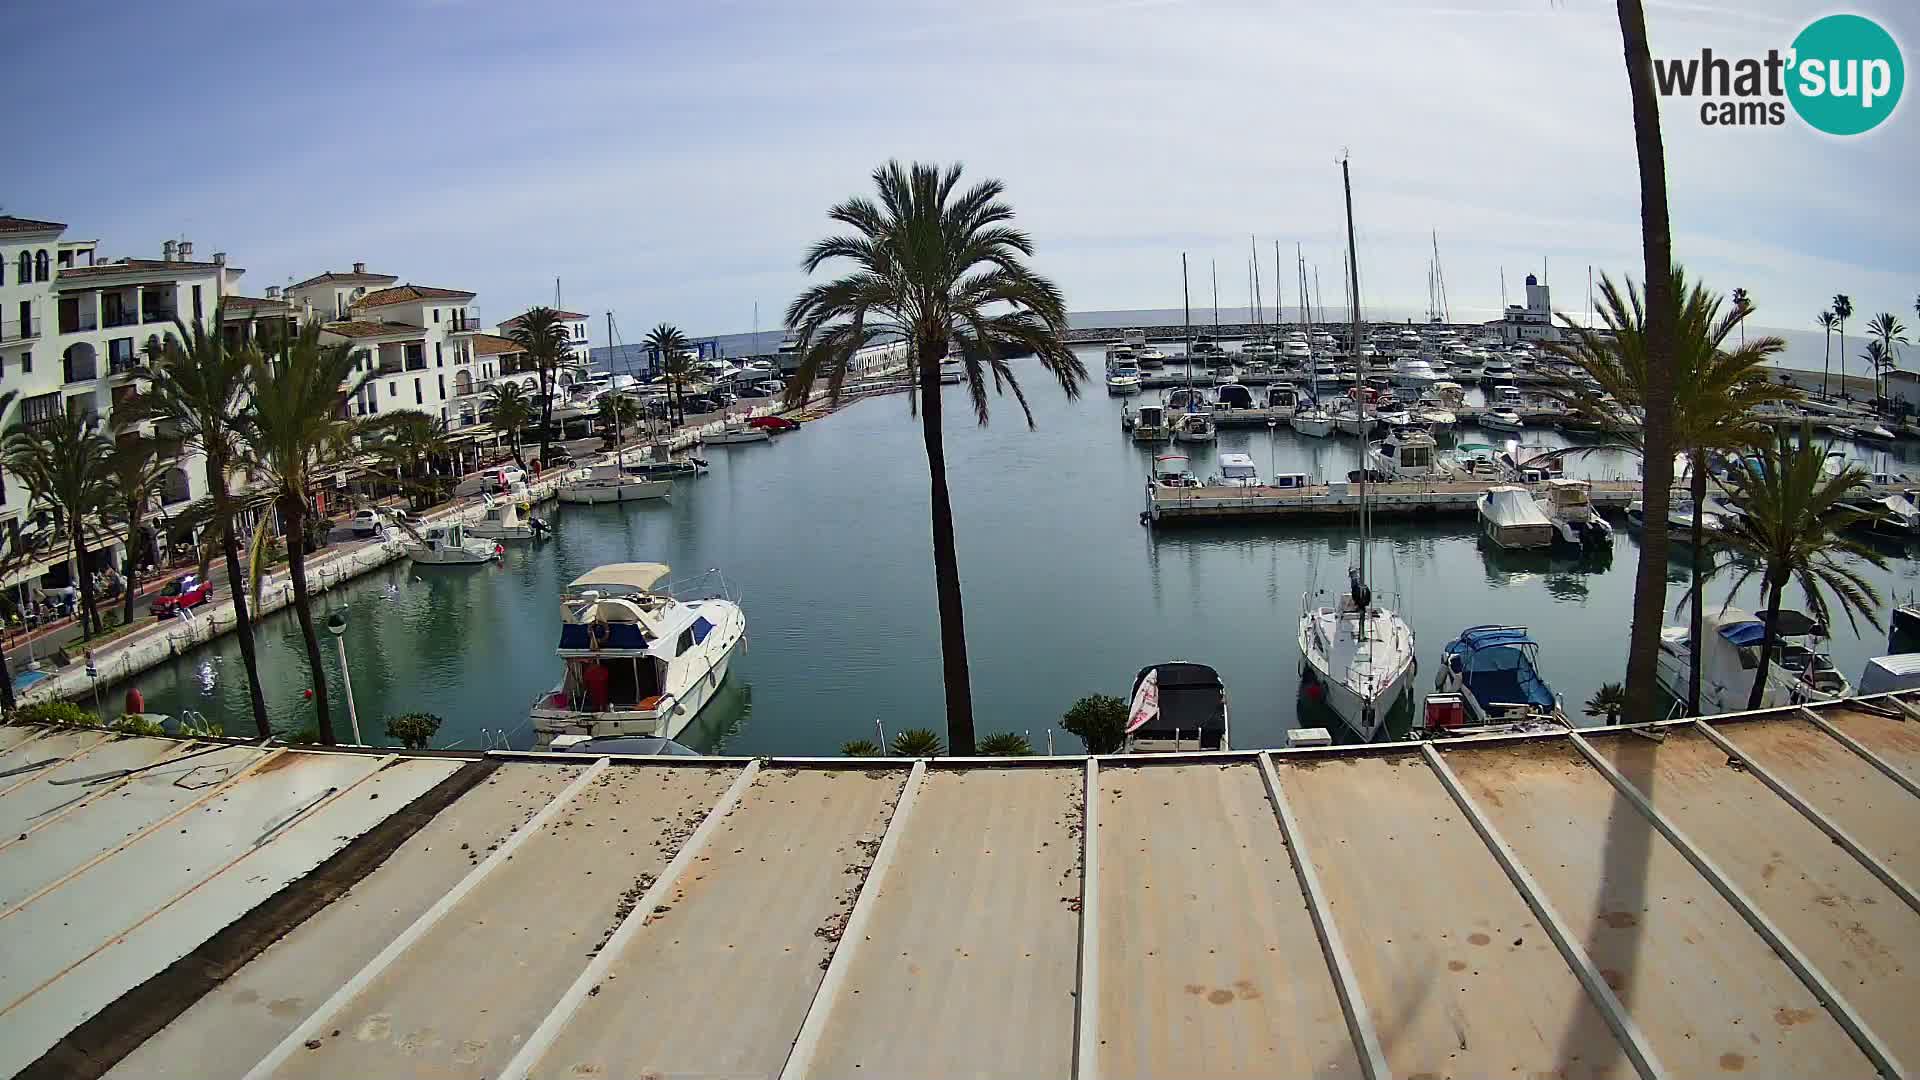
{"x":672,"y":161}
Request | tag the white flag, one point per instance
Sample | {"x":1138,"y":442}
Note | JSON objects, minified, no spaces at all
{"x":1146,"y":702}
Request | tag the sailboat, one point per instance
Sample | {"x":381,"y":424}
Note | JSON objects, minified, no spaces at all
{"x":1195,"y":423}
{"x":1310,"y":420}
{"x":1356,"y":655}
{"x":612,"y":483}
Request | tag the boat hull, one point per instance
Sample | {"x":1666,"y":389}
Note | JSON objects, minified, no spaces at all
{"x":549,"y":723}
{"x":1313,"y":427}
{"x":595,"y":493}
{"x":1365,"y":719}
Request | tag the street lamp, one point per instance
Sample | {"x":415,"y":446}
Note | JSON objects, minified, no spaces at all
{"x":337,"y":626}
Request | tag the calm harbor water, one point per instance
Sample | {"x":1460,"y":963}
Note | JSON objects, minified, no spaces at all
{"x":823,"y":537}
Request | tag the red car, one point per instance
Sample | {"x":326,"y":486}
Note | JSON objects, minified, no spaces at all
{"x":773,"y":423}
{"x":185,"y":591}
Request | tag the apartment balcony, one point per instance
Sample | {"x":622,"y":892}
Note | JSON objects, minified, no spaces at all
{"x":463,"y":321}
{"x":388,"y":369}
{"x":78,"y":322}
{"x":122,"y":365}
{"x":159,"y":315}
{"x":122,"y":317}
{"x":19,"y":329}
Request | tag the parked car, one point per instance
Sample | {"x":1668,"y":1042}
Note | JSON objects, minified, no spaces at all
{"x":700,"y":403}
{"x":184,"y":592}
{"x":755,"y":390}
{"x":774,"y":423}
{"x":724,"y":397}
{"x":558,"y":457}
{"x":367,"y":523}
{"x":502,"y":478}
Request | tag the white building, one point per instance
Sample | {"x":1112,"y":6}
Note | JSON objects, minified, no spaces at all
{"x":1534,"y":322}
{"x":416,"y":340}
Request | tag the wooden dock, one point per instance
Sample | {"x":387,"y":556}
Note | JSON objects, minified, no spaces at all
{"x":1327,"y":502}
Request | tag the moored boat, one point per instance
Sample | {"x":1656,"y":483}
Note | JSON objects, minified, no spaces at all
{"x":1575,"y":520}
{"x":1801,"y":669}
{"x":1177,"y":706}
{"x":449,"y":545}
{"x":1495,"y":670}
{"x":1511,"y":518}
{"x":611,"y":484}
{"x":736,"y":431}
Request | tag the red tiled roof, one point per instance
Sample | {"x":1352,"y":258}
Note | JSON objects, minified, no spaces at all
{"x":565,"y":316}
{"x":11,"y":224}
{"x":360,"y":329}
{"x":344,"y":278}
{"x":245,"y":305}
{"x":401,"y":294}
{"x":495,"y":345}
{"x":134,"y":266}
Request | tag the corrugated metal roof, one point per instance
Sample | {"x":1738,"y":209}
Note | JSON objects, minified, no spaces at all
{"x":1681,"y":899}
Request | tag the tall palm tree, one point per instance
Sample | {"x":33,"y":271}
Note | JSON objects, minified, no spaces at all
{"x":1887,"y":331}
{"x":62,"y":462}
{"x":408,"y":443}
{"x":198,"y":390}
{"x":18,"y":551}
{"x":1656,"y":241}
{"x":1742,"y":305}
{"x":936,"y":266}
{"x":512,"y":412}
{"x":299,"y":428}
{"x":542,"y":334}
{"x":1827,"y":321}
{"x":1792,"y":531}
{"x":1842,"y":310}
{"x":616,"y":411}
{"x":135,"y":477}
{"x":670,"y":345}
{"x":1715,"y":391}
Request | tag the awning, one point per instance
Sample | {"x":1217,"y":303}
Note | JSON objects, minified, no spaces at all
{"x":633,"y":575}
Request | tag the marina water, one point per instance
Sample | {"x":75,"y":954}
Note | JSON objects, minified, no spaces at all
{"x":823,"y":537}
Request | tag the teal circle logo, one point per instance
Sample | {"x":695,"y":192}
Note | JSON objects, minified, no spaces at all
{"x":1847,"y":74}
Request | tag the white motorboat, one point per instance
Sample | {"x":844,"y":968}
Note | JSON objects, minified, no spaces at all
{"x":1680,"y":513}
{"x":1512,"y":519}
{"x":449,"y":545}
{"x":1123,"y":377}
{"x":1407,"y":454}
{"x":1473,"y":461}
{"x":1170,"y":471}
{"x":1501,"y":420}
{"x":1188,"y":399}
{"x":1194,"y":427}
{"x":952,"y":370}
{"x":1432,"y":415}
{"x":1495,"y":671}
{"x":1177,"y":706}
{"x":1415,"y":373}
{"x":1801,"y":670}
{"x":1238,"y":470}
{"x":611,"y":484}
{"x":507,"y":518}
{"x":1312,"y":421}
{"x":1229,"y":396}
{"x":1575,"y":521}
{"x":1150,"y":424}
{"x":736,"y":431}
{"x":1150,"y":358}
{"x":1872,"y":434}
{"x":1282,"y":398}
{"x":639,"y":661}
{"x":1120,"y":350}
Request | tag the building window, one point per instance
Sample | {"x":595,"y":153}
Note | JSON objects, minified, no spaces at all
{"x":436,"y":314}
{"x":26,"y":363}
{"x":66,"y":259}
{"x":39,"y":410}
{"x":393,"y":389}
{"x":439,"y":358}
{"x":40,"y":267}
{"x":419,"y":395}
{"x":196,"y":303}
{"x":442,"y":380}
{"x":25,"y":273}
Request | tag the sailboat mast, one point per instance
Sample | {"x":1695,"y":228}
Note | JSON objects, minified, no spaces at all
{"x":1214,"y":266}
{"x":1253,"y":260}
{"x":1353,"y":261}
{"x":1186,"y":318}
{"x":1278,"y":317}
{"x":1313,"y":369}
{"x":619,"y":432}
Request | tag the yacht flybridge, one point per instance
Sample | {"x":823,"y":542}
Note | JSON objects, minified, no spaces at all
{"x":638,"y":660}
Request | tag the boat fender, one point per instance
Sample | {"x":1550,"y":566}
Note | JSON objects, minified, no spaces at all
{"x":1146,"y":517}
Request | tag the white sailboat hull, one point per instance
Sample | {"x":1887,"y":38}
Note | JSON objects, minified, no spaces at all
{"x":1312,"y":425}
{"x":1362,"y":682}
{"x":597,"y":492}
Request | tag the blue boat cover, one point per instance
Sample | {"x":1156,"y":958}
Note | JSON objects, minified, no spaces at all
{"x":1495,"y":667}
{"x":612,"y":636}
{"x":1745,"y":633}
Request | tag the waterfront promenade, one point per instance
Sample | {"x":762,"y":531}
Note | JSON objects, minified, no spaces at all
{"x":1686,"y":898}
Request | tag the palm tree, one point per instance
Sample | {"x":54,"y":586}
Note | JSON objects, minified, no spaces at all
{"x":1715,"y":391}
{"x":917,"y":742}
{"x":542,"y":334}
{"x":1607,"y":702}
{"x":1792,"y":531}
{"x":199,"y":391}
{"x":135,"y":476}
{"x":1877,"y":359}
{"x":1842,"y":310}
{"x":936,"y":266}
{"x":62,"y":462}
{"x":1656,"y":241}
{"x":512,"y":411}
{"x":1887,"y":332}
{"x":408,"y":442}
{"x":670,"y":345}
{"x":299,"y":427}
{"x":1742,"y":305}
{"x":616,"y":411}
{"x":1827,"y":321}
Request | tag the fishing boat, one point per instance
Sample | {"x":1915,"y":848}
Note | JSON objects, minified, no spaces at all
{"x":1194,"y":427}
{"x":1513,"y":520}
{"x":611,"y":484}
{"x":1495,"y":670}
{"x":1150,"y":424}
{"x":638,"y":661}
{"x":1356,"y":655}
{"x":1571,"y":511}
{"x":1177,"y":706}
{"x":736,"y":431}
{"x":507,"y":519}
{"x":1405,"y":454}
{"x":449,"y":545}
{"x":1801,"y":670}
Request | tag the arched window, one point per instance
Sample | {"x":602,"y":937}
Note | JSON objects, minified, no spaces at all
{"x":26,"y":268}
{"x":40,"y":266}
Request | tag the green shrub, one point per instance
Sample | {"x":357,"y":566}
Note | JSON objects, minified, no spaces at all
{"x":414,"y":730}
{"x":55,"y":712}
{"x":1100,"y":721}
{"x":860,"y":748}
{"x":135,"y":724}
{"x":918,"y":742}
{"x":1005,"y":744}
{"x":306,"y":736}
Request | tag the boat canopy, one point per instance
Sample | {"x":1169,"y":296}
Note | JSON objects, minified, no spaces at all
{"x":1496,"y":666}
{"x":1510,"y":507}
{"x":1788,"y":623}
{"x":632,"y":575}
{"x":1193,"y":702}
